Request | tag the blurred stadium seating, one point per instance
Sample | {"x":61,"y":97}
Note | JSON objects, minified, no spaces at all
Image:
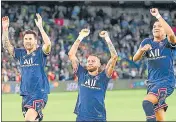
{"x":128,"y":24}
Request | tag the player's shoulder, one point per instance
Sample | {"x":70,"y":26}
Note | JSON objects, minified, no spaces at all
{"x":147,"y":40}
{"x":39,"y":48}
{"x":20,"y":49}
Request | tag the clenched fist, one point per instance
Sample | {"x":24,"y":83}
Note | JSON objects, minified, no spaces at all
{"x":154,"y":12}
{"x":146,"y":48}
{"x":103,"y":34}
{"x":84,"y":32}
{"x":5,"y":23}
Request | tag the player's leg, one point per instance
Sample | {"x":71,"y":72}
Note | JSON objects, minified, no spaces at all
{"x":148,"y":106}
{"x":160,"y":115}
{"x":31,"y":115}
{"x":164,"y":91}
{"x":32,"y":107}
{"x":78,"y":119}
{"x":156,"y":98}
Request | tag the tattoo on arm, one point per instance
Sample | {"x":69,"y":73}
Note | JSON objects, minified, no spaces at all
{"x":6,"y":43}
{"x":73,"y":50}
{"x":112,"y":49}
{"x":111,"y":65}
{"x":75,"y":64}
{"x":72,"y":55}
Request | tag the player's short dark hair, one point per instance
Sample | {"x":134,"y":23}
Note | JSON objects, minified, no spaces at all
{"x":30,"y":32}
{"x":153,"y":20}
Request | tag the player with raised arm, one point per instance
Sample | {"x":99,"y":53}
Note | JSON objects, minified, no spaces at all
{"x":92,"y":83}
{"x":161,"y":80}
{"x":34,"y":87}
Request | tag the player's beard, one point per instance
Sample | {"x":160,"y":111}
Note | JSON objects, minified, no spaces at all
{"x":92,"y":69}
{"x":29,"y":46}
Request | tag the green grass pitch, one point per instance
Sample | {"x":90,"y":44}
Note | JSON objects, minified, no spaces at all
{"x":120,"y":105}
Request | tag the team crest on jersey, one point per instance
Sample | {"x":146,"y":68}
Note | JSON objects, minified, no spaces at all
{"x":161,"y":44}
{"x":33,"y":54}
{"x":97,"y":78}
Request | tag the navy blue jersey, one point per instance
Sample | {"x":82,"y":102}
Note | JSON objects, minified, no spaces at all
{"x":91,"y":94}
{"x":33,"y":77}
{"x":160,"y":61}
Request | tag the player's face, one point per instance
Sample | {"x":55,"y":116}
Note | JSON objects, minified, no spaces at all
{"x":93,"y":63}
{"x":158,"y":30}
{"x":29,"y":41}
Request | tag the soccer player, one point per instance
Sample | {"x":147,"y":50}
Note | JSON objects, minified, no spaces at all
{"x":92,"y":83}
{"x":34,"y":83}
{"x":161,"y":81}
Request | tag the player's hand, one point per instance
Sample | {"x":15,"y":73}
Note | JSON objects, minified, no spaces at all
{"x":5,"y":23}
{"x":38,"y":21}
{"x":146,"y":48}
{"x":103,"y":34}
{"x":84,"y":32}
{"x":154,"y":12}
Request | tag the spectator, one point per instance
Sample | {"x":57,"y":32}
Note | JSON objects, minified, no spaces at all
{"x":127,"y":28}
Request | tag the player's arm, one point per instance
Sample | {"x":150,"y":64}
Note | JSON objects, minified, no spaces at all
{"x":112,"y":62}
{"x":5,"y":39}
{"x":141,"y":51}
{"x":74,"y":48}
{"x":170,"y":34}
{"x":47,"y":43}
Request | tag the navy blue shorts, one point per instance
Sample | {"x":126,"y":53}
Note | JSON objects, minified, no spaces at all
{"x":161,"y":90}
{"x":82,"y":119}
{"x":37,"y":102}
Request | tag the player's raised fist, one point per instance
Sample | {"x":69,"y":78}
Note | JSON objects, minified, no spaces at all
{"x":103,"y":34}
{"x":5,"y":23}
{"x":84,"y":32}
{"x":38,"y":21}
{"x":146,"y":47}
{"x":154,"y":12}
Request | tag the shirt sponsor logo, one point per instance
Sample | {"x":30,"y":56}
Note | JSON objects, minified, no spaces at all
{"x":155,"y":54}
{"x":29,"y":62}
{"x":91,"y":84}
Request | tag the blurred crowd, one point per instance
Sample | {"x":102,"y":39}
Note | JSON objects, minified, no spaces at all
{"x":127,"y":27}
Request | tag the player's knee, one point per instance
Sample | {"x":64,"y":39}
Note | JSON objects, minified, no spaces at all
{"x":152,"y":98}
{"x":146,"y":103}
{"x":31,"y":115}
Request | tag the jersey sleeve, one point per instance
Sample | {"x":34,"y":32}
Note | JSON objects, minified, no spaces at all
{"x":18,"y":53}
{"x":144,"y":42}
{"x":80,"y":70}
{"x":105,"y":76}
{"x":42,"y":52}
